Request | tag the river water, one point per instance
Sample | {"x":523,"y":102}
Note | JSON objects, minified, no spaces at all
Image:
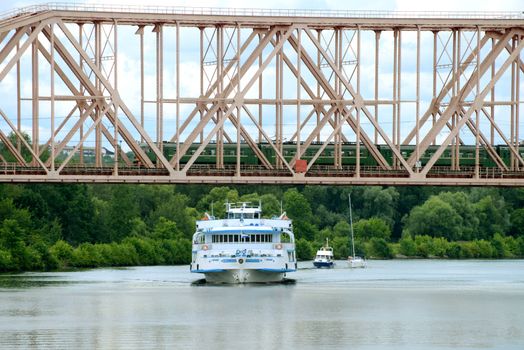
{"x":412,"y":304}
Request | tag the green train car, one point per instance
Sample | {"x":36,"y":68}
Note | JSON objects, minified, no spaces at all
{"x":208,"y":155}
{"x":248,"y":156}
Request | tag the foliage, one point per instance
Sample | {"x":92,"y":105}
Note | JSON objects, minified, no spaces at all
{"x":517,"y":222}
{"x":379,"y":248}
{"x":493,"y":216}
{"x":304,"y":249}
{"x":407,"y":246}
{"x":270,"y":205}
{"x":215,"y":200}
{"x":372,"y":228}
{"x":341,"y":248}
{"x":435,"y":218}
{"x":380,"y":203}
{"x":48,"y":227}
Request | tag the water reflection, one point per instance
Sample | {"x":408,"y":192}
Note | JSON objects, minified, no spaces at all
{"x":27,"y":281}
{"x":203,"y":283}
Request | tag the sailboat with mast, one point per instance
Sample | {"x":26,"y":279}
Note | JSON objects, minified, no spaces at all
{"x":353,"y":260}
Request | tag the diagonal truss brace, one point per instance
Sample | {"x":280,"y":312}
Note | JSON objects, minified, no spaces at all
{"x":359,"y":102}
{"x":216,"y":106}
{"x":238,"y":99}
{"x":115,"y":96}
{"x":81,"y":105}
{"x":455,"y":102}
{"x":435,"y":103}
{"x":477,"y":105}
{"x":317,"y":73}
{"x":21,"y":137}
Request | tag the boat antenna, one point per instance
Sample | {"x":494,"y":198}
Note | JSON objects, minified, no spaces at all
{"x":281,"y":207}
{"x":212,"y":213}
{"x":351,"y":226}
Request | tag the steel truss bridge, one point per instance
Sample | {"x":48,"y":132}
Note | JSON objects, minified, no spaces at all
{"x":197,"y":95}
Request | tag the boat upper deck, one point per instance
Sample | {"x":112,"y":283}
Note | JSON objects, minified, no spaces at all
{"x":251,"y":224}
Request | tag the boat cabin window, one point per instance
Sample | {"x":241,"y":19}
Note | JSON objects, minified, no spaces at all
{"x":252,"y":238}
{"x":243,"y":216}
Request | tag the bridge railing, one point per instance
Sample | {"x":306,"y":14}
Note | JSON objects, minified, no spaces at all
{"x":220,"y":11}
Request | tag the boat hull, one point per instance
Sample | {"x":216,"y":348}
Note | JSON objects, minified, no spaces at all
{"x":357,"y":263}
{"x":326,"y":264}
{"x":237,"y":276}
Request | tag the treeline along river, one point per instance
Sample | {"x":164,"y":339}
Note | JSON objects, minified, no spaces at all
{"x":52,"y":227}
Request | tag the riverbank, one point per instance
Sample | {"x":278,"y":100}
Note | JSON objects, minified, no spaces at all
{"x":140,"y":251}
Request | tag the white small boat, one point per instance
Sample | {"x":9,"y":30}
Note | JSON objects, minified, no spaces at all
{"x":353,"y":260}
{"x":324,"y":257}
{"x":356,"y":261}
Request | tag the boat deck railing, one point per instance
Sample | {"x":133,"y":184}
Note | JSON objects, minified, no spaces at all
{"x":245,"y":224}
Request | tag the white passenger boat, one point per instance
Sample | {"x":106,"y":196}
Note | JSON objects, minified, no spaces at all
{"x":324,"y":257}
{"x":244,"y":247}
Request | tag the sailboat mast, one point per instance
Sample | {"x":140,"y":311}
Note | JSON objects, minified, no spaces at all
{"x":351,"y":226}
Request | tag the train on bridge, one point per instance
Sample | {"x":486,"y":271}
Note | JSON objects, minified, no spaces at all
{"x":348,"y":157}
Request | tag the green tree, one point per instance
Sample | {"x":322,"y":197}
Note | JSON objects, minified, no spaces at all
{"x":461,"y":204}
{"x":520,"y":244}
{"x":216,"y":199}
{"x":77,"y":215}
{"x":304,"y":249}
{"x":177,"y":251}
{"x":6,"y":261}
{"x":304,"y":229}
{"x":439,"y":246}
{"x":22,"y":217}
{"x":340,"y":247}
{"x":296,"y":205}
{"x":436,"y":218}
{"x":166,"y":229}
{"x":407,"y":246}
{"x":379,"y":248}
{"x":175,"y":209}
{"x":500,"y":249}
{"x":122,"y":210}
{"x":251,"y":198}
{"x":454,"y":250}
{"x":299,"y":210}
{"x":322,"y":235}
{"x":373,"y":227}
{"x":485,"y":249}
{"x":270,"y":205}
{"x":342,"y":229}
{"x":517,"y":222}
{"x":63,"y":252}
{"x":424,"y":244}
{"x":12,"y":234}
{"x":327,"y":218}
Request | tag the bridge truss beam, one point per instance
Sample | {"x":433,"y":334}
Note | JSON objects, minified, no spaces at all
{"x":94,"y":95}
